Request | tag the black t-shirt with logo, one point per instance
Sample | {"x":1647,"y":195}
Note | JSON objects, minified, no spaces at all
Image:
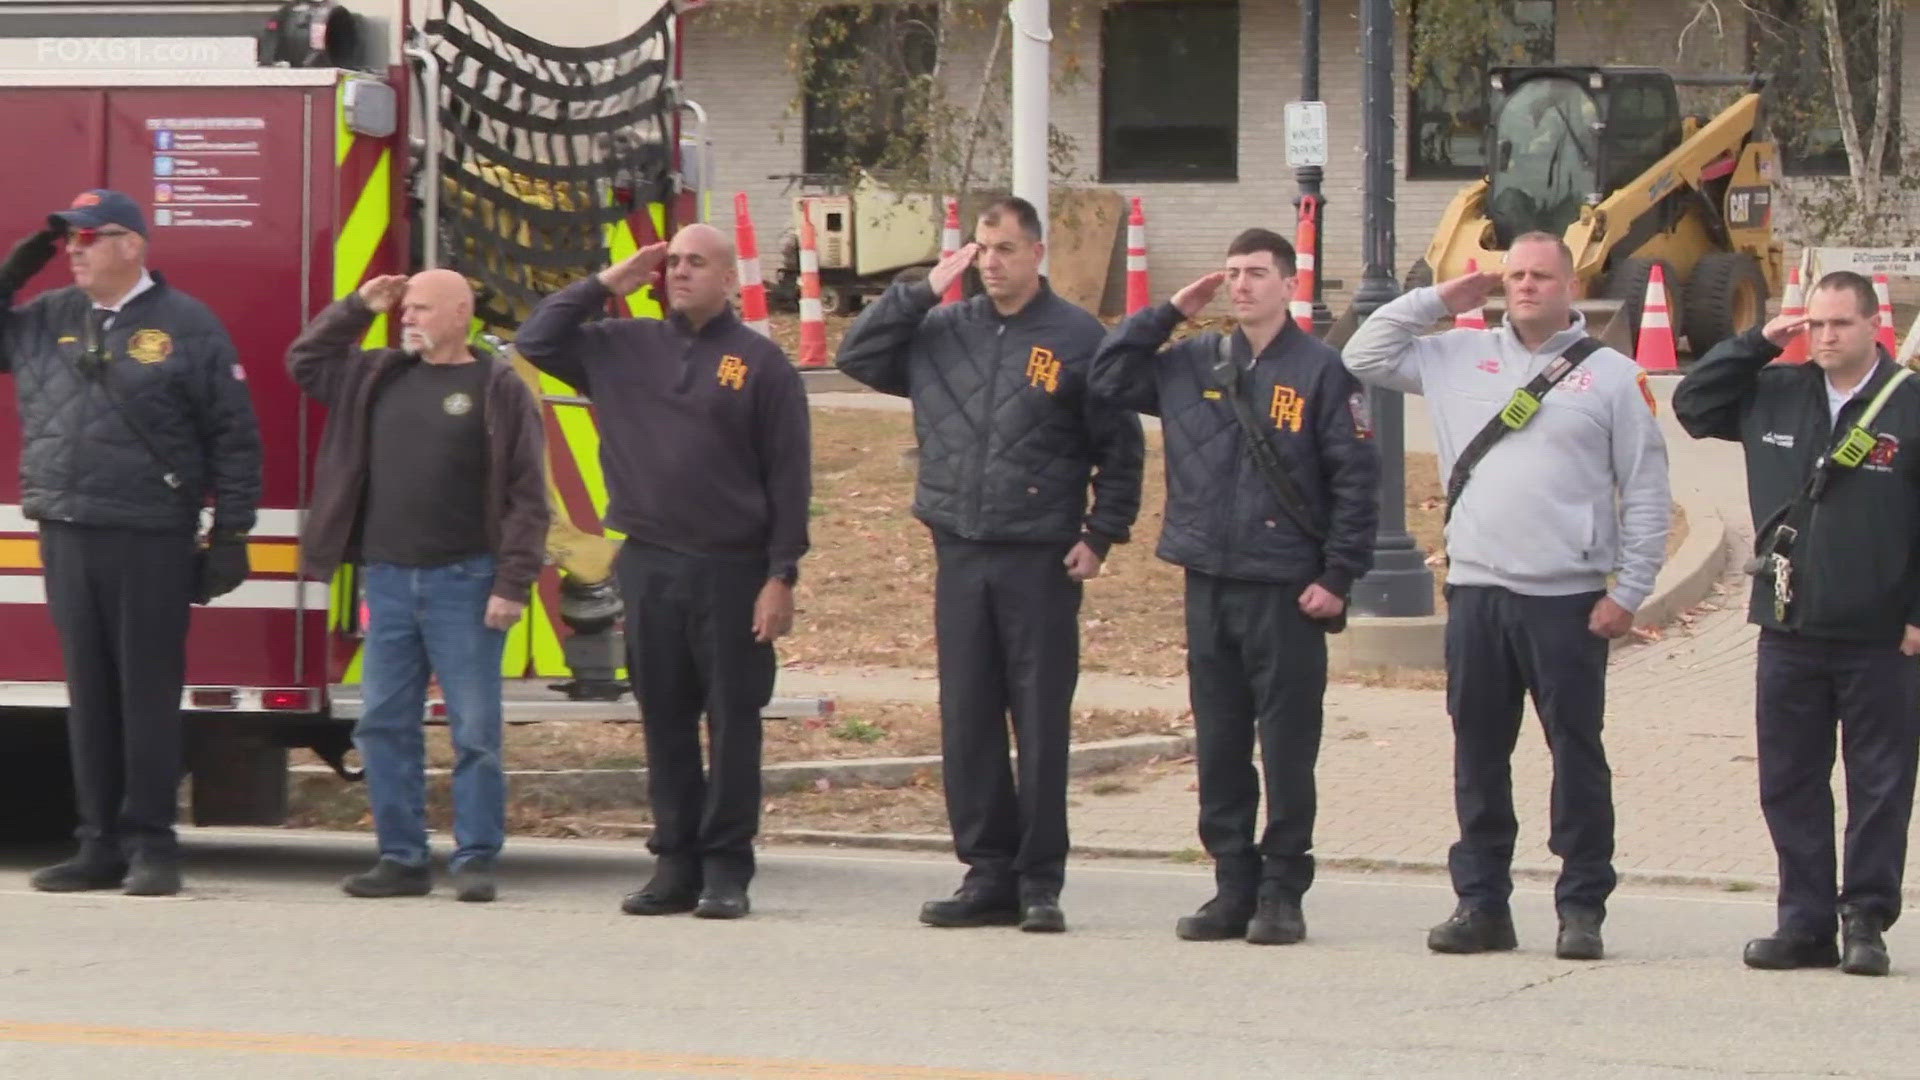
{"x":427,"y":472}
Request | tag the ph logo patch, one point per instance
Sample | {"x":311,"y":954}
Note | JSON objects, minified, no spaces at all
{"x":733,"y":372}
{"x":1043,"y":370}
{"x":1288,"y":409}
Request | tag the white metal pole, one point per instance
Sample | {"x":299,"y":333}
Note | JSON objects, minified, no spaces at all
{"x":1032,"y":36}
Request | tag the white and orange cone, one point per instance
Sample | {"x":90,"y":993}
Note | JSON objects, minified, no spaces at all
{"x":1889,"y":338}
{"x":1656,"y":351}
{"x":1305,"y":240}
{"x":1794,"y":303}
{"x":753,"y":288}
{"x":1139,"y":294}
{"x":813,"y":320}
{"x":950,"y":243}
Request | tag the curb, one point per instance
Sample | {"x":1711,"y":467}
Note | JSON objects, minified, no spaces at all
{"x":1761,"y":885}
{"x":1695,"y":568}
{"x":601,"y":789}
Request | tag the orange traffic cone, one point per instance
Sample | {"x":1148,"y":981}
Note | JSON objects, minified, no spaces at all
{"x":753,"y":290}
{"x":1474,"y":318}
{"x":1889,"y":340}
{"x":1655,"y":350}
{"x":813,"y":321}
{"x":1139,"y":295}
{"x":1306,"y":239}
{"x":1794,"y":303}
{"x":950,"y":243}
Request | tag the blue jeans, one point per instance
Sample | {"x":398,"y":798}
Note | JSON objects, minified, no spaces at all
{"x":420,"y":620}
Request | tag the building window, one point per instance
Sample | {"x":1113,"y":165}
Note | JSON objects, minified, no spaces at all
{"x":1446,"y":136}
{"x":866,"y":75}
{"x":1170,"y":91}
{"x":1788,"y":42}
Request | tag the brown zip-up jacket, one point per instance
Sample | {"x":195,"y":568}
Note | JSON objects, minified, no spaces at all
{"x":331,"y":369}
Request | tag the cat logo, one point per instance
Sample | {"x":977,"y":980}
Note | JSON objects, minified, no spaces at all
{"x":1043,"y":370}
{"x":1287,"y":409}
{"x":733,"y":372}
{"x":150,"y":346}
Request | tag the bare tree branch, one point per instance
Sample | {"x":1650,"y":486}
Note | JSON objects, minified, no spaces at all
{"x":1700,"y":12}
{"x":980,"y":105}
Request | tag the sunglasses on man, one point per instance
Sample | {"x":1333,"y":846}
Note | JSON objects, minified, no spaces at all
{"x":86,"y":237}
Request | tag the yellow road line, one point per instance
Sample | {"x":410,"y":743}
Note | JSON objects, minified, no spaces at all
{"x":618,"y":1061}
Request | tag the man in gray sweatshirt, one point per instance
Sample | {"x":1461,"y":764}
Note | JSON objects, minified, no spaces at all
{"x":1552,"y":547}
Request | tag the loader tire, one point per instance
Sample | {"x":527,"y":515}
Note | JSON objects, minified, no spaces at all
{"x":1419,"y":276}
{"x":1726,"y":295}
{"x":1627,"y":282}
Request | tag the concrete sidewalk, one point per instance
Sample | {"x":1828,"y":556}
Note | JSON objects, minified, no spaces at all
{"x":1680,"y":734}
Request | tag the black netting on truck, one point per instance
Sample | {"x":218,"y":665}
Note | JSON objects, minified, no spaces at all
{"x":543,"y":147}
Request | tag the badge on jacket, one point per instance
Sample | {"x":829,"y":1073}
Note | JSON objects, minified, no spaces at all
{"x":1043,"y":370}
{"x":1361,"y":409}
{"x":150,"y":346}
{"x":733,"y":372}
{"x":1646,"y":391}
{"x":1288,"y":409}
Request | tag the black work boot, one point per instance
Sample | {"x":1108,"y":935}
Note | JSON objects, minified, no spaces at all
{"x":389,"y":878}
{"x":1787,"y":950}
{"x":97,"y":865}
{"x":1580,"y":935}
{"x":153,"y":873}
{"x":973,"y":905}
{"x":1474,"y":930}
{"x":473,"y":882}
{"x":722,"y":902}
{"x":667,"y":893}
{"x":1223,"y":918}
{"x":1865,"y":950}
{"x":1040,"y":914}
{"x":1277,"y":918}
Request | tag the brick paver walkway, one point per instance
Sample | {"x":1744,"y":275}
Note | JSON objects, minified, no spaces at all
{"x":1679,"y":734}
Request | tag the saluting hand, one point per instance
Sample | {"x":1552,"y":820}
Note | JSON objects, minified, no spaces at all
{"x":1781,"y":330}
{"x":950,"y":268}
{"x":1469,"y":291}
{"x":1194,"y":299}
{"x":1910,"y":641}
{"x":381,"y":293}
{"x":632,"y":273}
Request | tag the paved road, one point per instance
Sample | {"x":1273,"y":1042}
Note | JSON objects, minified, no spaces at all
{"x":265,"y":969}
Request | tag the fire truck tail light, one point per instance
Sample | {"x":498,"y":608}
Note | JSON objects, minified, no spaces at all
{"x":286,"y":700}
{"x":209,"y":697}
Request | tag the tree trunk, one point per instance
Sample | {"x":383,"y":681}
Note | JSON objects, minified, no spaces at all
{"x":1865,"y":184}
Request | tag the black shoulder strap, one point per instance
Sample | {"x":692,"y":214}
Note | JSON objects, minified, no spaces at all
{"x":1517,"y":413}
{"x":1266,"y":457}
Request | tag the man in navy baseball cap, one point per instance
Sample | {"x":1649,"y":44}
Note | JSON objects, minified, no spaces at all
{"x":99,"y":208}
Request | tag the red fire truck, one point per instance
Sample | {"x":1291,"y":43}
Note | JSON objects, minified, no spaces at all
{"x":285,"y":153}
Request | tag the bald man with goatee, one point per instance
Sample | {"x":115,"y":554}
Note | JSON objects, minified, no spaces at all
{"x":430,"y":478}
{"x":705,"y":446}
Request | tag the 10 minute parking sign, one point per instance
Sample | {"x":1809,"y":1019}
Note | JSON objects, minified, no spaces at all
{"x":1306,"y":133}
